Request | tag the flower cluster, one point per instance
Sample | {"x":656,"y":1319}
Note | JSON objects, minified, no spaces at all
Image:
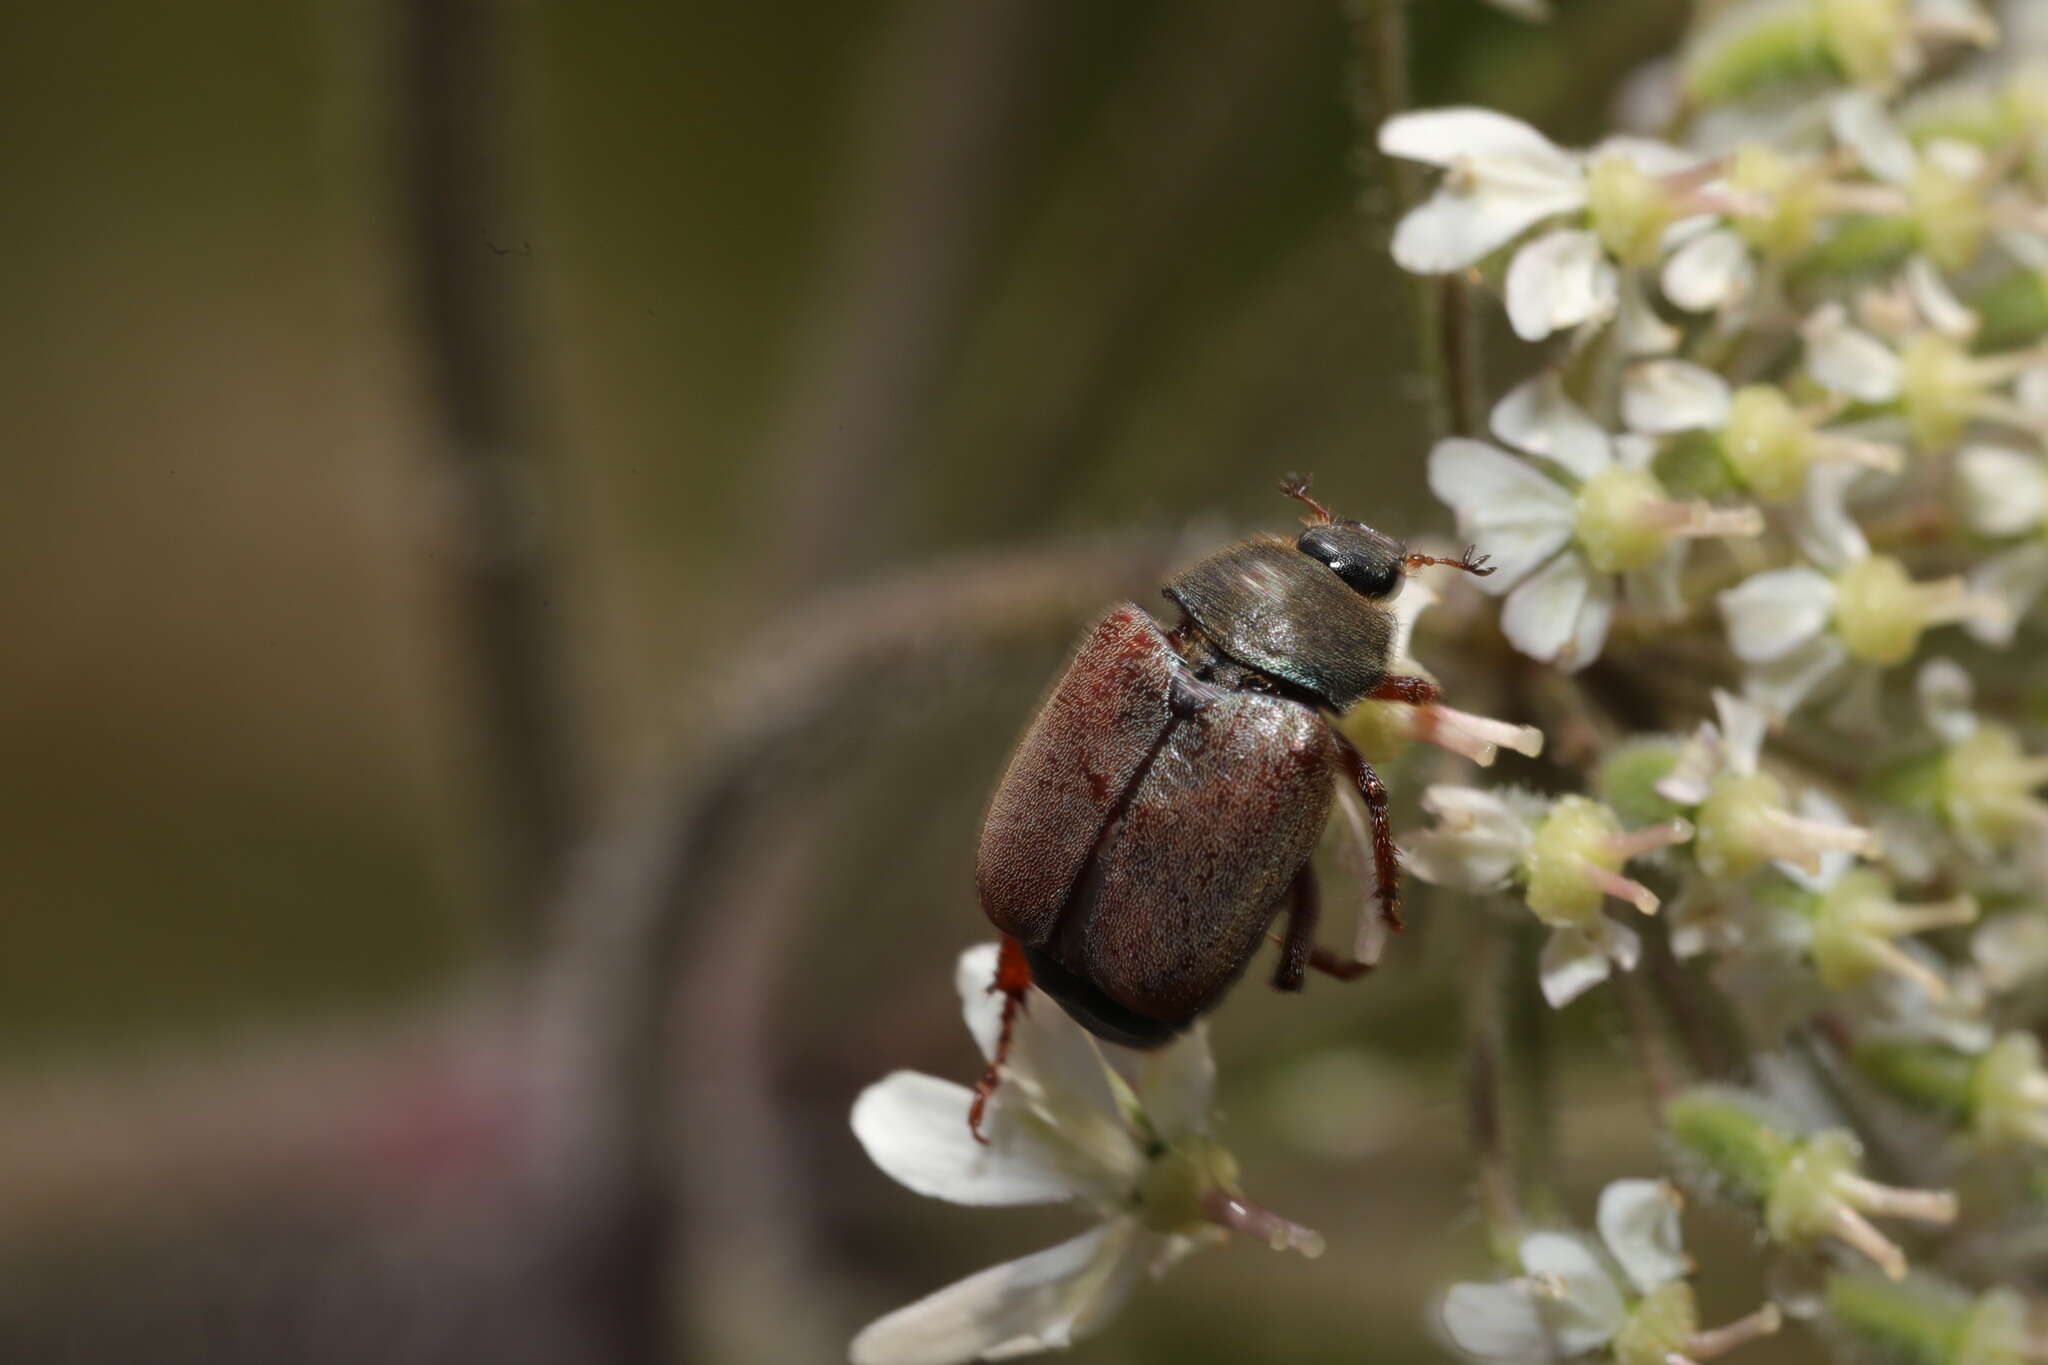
{"x":1768,"y":510}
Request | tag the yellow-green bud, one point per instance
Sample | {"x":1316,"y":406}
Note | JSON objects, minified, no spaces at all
{"x":1659,"y":1326}
{"x":1940,"y":388}
{"x":1767,"y":442}
{"x":1172,"y":1191}
{"x":1878,"y":611}
{"x":1574,"y":833}
{"x":1949,"y":214}
{"x":1615,"y":523}
{"x":1864,"y":37}
{"x":1924,"y":1321}
{"x":1732,"y":841}
{"x":1378,"y":730}
{"x":1630,"y":209}
{"x":1987,"y":788}
{"x":1786,"y":228}
{"x":2009,"y":1093}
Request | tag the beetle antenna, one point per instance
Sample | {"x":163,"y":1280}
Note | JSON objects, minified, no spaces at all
{"x":1296,"y":486}
{"x":1471,"y":562}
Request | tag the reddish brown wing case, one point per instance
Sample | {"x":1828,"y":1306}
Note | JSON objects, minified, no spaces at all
{"x":1190,"y":866}
{"x":1071,"y":770}
{"x":1223,"y":819}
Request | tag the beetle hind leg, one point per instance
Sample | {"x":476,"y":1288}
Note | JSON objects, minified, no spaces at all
{"x":1013,"y":979}
{"x":1298,"y":950}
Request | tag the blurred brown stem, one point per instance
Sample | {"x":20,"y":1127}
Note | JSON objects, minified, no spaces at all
{"x":467,"y":268}
{"x":1447,"y":331}
{"x":824,"y":677}
{"x":1485,"y":1106}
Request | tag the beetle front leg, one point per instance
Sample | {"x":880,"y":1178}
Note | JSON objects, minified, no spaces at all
{"x":1412,"y":691}
{"x":1386,"y":862}
{"x":1013,"y":979}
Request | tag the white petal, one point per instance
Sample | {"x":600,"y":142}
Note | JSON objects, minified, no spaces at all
{"x":1456,"y":228}
{"x":1638,"y":1220}
{"x":1709,"y":273}
{"x":1956,"y":158}
{"x":1517,"y":514}
{"x":1037,"y":1303}
{"x":1440,"y":137}
{"x":2004,"y":491}
{"x":1782,"y":684}
{"x":1833,"y":862}
{"x":1622,"y":945}
{"x":2011,"y":948}
{"x":1558,"y":281}
{"x":1539,"y":417}
{"x":1821,"y":523}
{"x":1571,"y":964}
{"x":1699,"y":763}
{"x":1772,"y":613}
{"x":1944,"y":692}
{"x":1477,"y":843}
{"x":1497,"y":1322}
{"x":2028,"y":250}
{"x":1176,"y":1084}
{"x":1560,"y":614}
{"x":2016,"y":578}
{"x":2031,"y":389}
{"x":1742,"y":728}
{"x":915,"y":1128}
{"x":1941,"y":309}
{"x":1861,"y":124}
{"x":1663,"y":396}
{"x":1638,"y":331}
{"x":1590,"y":1311}
{"x":1962,"y":21}
{"x":1660,"y":589}
{"x":1848,"y":360}
{"x":1416,"y":597}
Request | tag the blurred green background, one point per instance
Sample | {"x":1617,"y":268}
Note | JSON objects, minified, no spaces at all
{"x":780,"y":299}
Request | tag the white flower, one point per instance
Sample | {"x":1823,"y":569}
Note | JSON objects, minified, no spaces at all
{"x":1743,"y":814}
{"x":1569,"y":1301}
{"x":1560,"y":548}
{"x":1065,"y":1126}
{"x":1502,"y":178}
{"x":2004,"y":493}
{"x":1563,"y":855}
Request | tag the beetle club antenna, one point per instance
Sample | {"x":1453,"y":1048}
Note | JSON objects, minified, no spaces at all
{"x":1471,"y":563}
{"x":1296,"y":486}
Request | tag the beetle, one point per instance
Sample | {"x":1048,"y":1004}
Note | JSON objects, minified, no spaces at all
{"x":1160,"y":811}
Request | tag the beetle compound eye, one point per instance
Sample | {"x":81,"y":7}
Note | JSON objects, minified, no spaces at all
{"x":1367,"y":561}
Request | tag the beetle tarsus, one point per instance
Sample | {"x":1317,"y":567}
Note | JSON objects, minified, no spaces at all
{"x":1386,"y":860}
{"x":1013,"y":980}
{"x":1410,"y":691}
{"x":1471,"y":561}
{"x":1296,"y":486}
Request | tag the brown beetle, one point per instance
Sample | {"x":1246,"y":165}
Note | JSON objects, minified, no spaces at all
{"x":1160,"y":812}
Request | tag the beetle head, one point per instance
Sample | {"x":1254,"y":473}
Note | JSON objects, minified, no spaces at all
{"x":1372,"y":562}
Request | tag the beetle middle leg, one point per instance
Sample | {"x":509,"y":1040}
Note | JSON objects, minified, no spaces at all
{"x":1013,"y":979}
{"x":1386,"y":863}
{"x":1298,"y":950}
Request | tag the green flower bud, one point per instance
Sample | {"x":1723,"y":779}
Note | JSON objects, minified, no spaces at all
{"x":1786,"y":228}
{"x":1618,"y":526}
{"x":1627,"y":780}
{"x":1777,"y":44}
{"x":1855,"y":922}
{"x":1804,"y":1188}
{"x":1924,"y":1321}
{"x":1880,"y":612}
{"x":2009,"y":1093}
{"x":1745,"y":822}
{"x":1577,"y":835}
{"x":1950,"y":215}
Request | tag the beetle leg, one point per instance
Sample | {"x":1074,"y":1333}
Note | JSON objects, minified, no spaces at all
{"x":1300,"y":941}
{"x":1413,"y":691}
{"x":1013,"y":979}
{"x":1386,"y":862}
{"x":1298,"y":950}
